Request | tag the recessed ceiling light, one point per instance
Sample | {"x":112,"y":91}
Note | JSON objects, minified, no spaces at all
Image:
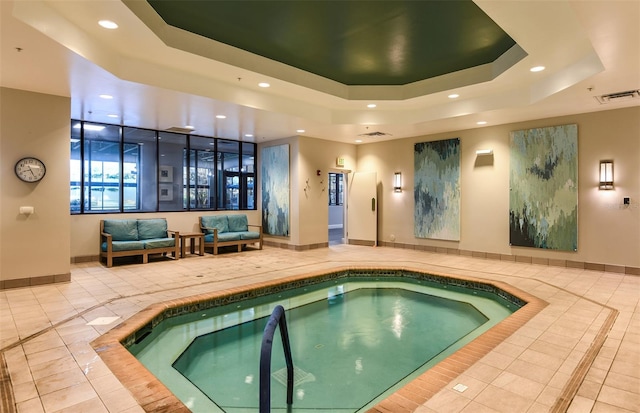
{"x":358,"y":140}
{"x":371,"y":105}
{"x":108,"y":24}
{"x":537,"y":69}
{"x":248,"y":135}
{"x":482,"y":122}
{"x":453,"y":96}
{"x":263,"y":84}
{"x":221,"y":117}
{"x":300,"y":130}
{"x":106,"y":96}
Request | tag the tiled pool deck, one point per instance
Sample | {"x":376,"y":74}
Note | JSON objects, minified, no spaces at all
{"x":585,"y":342}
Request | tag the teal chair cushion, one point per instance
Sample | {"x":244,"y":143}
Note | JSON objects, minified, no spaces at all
{"x":159,"y":243}
{"x":122,"y":229}
{"x":238,"y":223}
{"x":250,"y":235}
{"x":229,"y":236}
{"x":215,"y":221}
{"x":152,"y":228}
{"x":124,"y":246}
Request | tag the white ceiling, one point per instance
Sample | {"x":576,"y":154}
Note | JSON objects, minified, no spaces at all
{"x":589,"y":48}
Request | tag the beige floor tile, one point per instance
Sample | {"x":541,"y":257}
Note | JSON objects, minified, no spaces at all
{"x":503,"y":400}
{"x":562,"y":333}
{"x":619,"y":398}
{"x":68,"y":397}
{"x":59,"y":381}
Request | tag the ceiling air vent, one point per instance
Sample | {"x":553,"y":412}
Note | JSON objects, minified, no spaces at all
{"x":619,"y":96}
{"x":375,"y":134}
{"x":177,"y":129}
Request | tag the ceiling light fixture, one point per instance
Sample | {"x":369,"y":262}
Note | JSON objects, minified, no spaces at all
{"x":537,"y":69}
{"x":112,"y":115}
{"x":108,"y":24}
{"x":189,"y":127}
{"x":221,"y":117}
{"x":264,"y":84}
{"x":453,"y":96}
{"x":358,"y":140}
{"x":371,"y":105}
{"x":300,"y":131}
{"x":88,"y":126}
{"x":481,"y":122}
{"x":106,"y":96}
{"x":248,"y":135}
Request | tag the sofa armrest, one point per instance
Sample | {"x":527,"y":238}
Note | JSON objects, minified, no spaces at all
{"x":214,"y":230}
{"x":256,"y":226}
{"x":106,"y":237}
{"x":173,"y":234}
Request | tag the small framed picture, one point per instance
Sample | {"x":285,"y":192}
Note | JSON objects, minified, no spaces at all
{"x":166,"y":173}
{"x":166,"y":193}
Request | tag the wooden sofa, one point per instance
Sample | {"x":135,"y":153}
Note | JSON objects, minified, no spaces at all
{"x":224,"y":230}
{"x":130,"y":237}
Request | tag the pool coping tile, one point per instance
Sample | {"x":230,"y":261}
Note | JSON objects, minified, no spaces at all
{"x":153,"y":396}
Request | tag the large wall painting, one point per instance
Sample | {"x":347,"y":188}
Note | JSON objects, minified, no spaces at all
{"x":275,"y":190}
{"x":437,"y":189}
{"x":543,"y":185}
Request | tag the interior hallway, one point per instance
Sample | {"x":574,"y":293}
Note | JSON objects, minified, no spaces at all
{"x":44,"y":335}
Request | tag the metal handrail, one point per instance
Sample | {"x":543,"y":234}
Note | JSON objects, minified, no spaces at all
{"x":277,"y":317}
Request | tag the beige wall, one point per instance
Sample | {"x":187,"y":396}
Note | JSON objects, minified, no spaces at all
{"x":608,"y":232}
{"x":309,"y":210}
{"x":35,"y":247}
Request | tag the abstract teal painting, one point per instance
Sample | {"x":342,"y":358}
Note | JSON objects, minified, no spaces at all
{"x":437,"y":189}
{"x":543,"y":185}
{"x":275,"y":190}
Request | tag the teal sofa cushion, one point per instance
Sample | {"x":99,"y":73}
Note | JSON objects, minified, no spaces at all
{"x":224,"y":236}
{"x":122,"y":229}
{"x":159,"y":243}
{"x":152,"y":228}
{"x":238,"y":223}
{"x":124,"y":246}
{"x":250,"y":235}
{"x":215,"y":221}
{"x":229,"y":236}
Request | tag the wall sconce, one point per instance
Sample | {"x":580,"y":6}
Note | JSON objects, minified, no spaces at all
{"x":606,"y":174}
{"x":397,"y":182}
{"x":484,"y":152}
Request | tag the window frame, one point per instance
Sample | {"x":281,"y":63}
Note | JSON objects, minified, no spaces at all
{"x":216,"y":184}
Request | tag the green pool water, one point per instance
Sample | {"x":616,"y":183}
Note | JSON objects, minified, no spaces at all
{"x":352,"y":343}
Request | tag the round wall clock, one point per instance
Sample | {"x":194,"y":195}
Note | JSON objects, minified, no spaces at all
{"x":30,"y":169}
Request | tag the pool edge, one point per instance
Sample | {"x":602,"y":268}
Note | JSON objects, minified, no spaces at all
{"x":153,"y":396}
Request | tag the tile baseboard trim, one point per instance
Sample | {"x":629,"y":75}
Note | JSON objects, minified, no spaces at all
{"x":592,"y":266}
{"x":33,"y":281}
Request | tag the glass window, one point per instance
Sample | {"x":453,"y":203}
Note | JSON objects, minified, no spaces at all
{"x":139,"y":170}
{"x":125,"y":169}
{"x":336,"y":189}
{"x":228,"y":168}
{"x":102,"y":164}
{"x":248,"y":176}
{"x":172,"y":149}
{"x":202,"y":174}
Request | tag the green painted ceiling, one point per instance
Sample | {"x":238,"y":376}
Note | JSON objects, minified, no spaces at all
{"x":351,"y":42}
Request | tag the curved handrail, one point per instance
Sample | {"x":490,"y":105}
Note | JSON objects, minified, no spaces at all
{"x":277,"y":317}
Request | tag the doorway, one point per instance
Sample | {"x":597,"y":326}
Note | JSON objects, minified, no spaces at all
{"x":337,"y":182}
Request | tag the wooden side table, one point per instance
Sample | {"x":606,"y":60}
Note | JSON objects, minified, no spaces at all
{"x":192,"y":236}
